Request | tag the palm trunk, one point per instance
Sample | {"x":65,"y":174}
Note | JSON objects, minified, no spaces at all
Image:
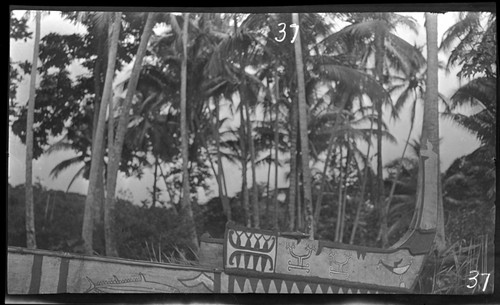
{"x":339,"y":204}
{"x":299,"y":225}
{"x":363,"y":190}
{"x":344,"y":198}
{"x":360,"y":202}
{"x":244,"y":184}
{"x":186,"y":208}
{"x":292,"y":189}
{"x":276,"y":143}
{"x":319,"y":200}
{"x":100,"y":196}
{"x":251,"y":147}
{"x":306,"y":171}
{"x":98,"y":141}
{"x":224,"y":184}
{"x":379,"y":70}
{"x":267,"y":114}
{"x":430,"y":130}
{"x":398,"y":173}
{"x":243,"y":146}
{"x":268,"y":182}
{"x":29,"y":204}
{"x":155,"y":175}
{"x":220,"y":171}
{"x":116,"y":145}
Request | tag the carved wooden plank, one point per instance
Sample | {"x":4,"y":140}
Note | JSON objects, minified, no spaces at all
{"x":267,"y":254}
{"x":42,"y":272}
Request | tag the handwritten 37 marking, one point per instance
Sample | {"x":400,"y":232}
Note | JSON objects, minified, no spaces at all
{"x":474,"y":278}
{"x":282,"y":31}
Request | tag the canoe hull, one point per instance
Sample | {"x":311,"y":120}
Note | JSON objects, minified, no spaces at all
{"x":270,"y":254}
{"x":47,"y":272}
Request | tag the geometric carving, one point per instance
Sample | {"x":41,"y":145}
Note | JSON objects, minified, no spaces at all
{"x":204,"y":279}
{"x":299,"y":264}
{"x":397,"y":268}
{"x":339,"y":259}
{"x":250,"y":251}
{"x":137,"y":284}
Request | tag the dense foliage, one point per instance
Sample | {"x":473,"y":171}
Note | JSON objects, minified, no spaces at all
{"x":241,"y":98}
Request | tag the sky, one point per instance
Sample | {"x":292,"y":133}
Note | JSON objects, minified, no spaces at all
{"x":456,"y":141}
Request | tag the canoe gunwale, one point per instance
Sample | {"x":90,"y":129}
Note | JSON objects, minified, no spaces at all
{"x":106,"y":259}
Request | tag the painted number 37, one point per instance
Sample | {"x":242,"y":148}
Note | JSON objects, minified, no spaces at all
{"x":283,"y":32}
{"x":475,"y":281}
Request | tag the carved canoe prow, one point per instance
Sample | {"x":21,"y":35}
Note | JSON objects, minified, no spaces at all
{"x":292,"y":255}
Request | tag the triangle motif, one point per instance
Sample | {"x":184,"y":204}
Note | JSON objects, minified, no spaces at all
{"x":256,"y":262}
{"x":248,"y":287}
{"x":253,"y":283}
{"x":241,"y":264}
{"x":237,"y":287}
{"x":272,"y":287}
{"x":247,"y":260}
{"x":318,"y":289}
{"x":283,"y":287}
{"x":307,"y":289}
{"x":302,"y":286}
{"x":259,"y":288}
{"x":265,"y":284}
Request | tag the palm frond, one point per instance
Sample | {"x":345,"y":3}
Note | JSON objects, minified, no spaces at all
{"x":63,"y":165}
{"x":355,"y":81}
{"x":408,"y":57}
{"x":78,"y":174}
{"x":359,"y":31}
{"x":460,"y":29}
{"x":481,"y":124}
{"x":403,"y":98}
{"x":480,"y":90}
{"x":61,"y":145}
{"x":406,"y":21}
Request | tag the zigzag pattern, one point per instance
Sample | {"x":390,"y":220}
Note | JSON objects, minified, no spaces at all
{"x":240,"y":284}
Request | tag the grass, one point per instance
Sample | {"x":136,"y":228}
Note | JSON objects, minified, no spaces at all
{"x":178,"y":256}
{"x":464,"y":268}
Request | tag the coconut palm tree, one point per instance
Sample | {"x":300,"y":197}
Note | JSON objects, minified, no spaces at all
{"x":220,"y":170}
{"x":98,"y":140}
{"x":186,"y":200}
{"x":390,"y":53}
{"x":364,"y":180}
{"x":303,"y":134}
{"x":430,"y":131}
{"x":29,"y":208}
{"x":279,"y":57}
{"x":115,"y":142}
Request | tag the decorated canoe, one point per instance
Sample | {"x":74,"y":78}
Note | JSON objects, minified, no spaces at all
{"x":286,"y":256}
{"x":247,"y":260}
